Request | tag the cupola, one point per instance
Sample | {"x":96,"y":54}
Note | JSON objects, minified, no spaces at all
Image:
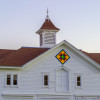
{"x":47,"y":33}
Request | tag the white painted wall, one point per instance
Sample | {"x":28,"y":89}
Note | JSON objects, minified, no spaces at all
{"x":30,"y":78}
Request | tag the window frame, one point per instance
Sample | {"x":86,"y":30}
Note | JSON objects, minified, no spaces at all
{"x":46,"y":78}
{"x":7,"y":79}
{"x":78,"y":75}
{"x":47,"y":74}
{"x":11,"y":80}
{"x":16,"y":79}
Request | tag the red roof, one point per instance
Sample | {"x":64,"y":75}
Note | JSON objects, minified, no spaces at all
{"x":4,"y":52}
{"x":94,"y":56}
{"x":23,"y":55}
{"x":49,"y":25}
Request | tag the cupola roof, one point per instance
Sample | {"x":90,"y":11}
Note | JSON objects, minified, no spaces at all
{"x":49,"y":25}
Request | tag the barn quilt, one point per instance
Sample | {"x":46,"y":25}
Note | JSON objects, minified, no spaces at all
{"x":62,"y":56}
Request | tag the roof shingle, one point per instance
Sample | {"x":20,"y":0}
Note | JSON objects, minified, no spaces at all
{"x":94,"y":56}
{"x":21,"y":56}
{"x":49,"y":25}
{"x":5,"y":52}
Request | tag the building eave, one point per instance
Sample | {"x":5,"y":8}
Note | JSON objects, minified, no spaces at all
{"x":10,"y":67}
{"x":51,"y":30}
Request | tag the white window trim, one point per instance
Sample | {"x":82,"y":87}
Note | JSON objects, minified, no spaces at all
{"x":11,"y":85}
{"x":6,"y":80}
{"x":48,"y":74}
{"x":78,"y":87}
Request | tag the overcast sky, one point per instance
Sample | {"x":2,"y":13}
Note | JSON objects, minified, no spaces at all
{"x":78,"y":20}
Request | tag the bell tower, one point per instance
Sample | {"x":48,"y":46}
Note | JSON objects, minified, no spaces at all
{"x":47,"y":33}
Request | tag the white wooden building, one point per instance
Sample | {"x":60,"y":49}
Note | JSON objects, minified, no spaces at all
{"x":49,"y":72}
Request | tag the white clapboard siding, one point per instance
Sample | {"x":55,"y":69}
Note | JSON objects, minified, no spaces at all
{"x":30,"y":78}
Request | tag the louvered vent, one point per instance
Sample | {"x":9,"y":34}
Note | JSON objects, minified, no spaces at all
{"x":49,"y":38}
{"x":41,"y":39}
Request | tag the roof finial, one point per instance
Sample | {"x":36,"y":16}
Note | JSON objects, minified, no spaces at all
{"x":47,"y":17}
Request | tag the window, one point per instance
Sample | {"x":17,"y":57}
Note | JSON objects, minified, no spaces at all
{"x":78,"y":81}
{"x":8,"y":80}
{"x":62,"y":82}
{"x":11,"y":79}
{"x":46,"y":80}
{"x":14,"y":79}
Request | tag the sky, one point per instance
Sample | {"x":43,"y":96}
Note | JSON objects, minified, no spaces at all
{"x":78,"y":21}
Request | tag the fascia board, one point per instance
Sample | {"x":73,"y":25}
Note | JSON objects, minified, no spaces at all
{"x":10,"y":67}
{"x":87,"y":95}
{"x":18,"y":95}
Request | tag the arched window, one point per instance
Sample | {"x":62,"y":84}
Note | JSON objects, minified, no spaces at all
{"x":62,"y":80}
